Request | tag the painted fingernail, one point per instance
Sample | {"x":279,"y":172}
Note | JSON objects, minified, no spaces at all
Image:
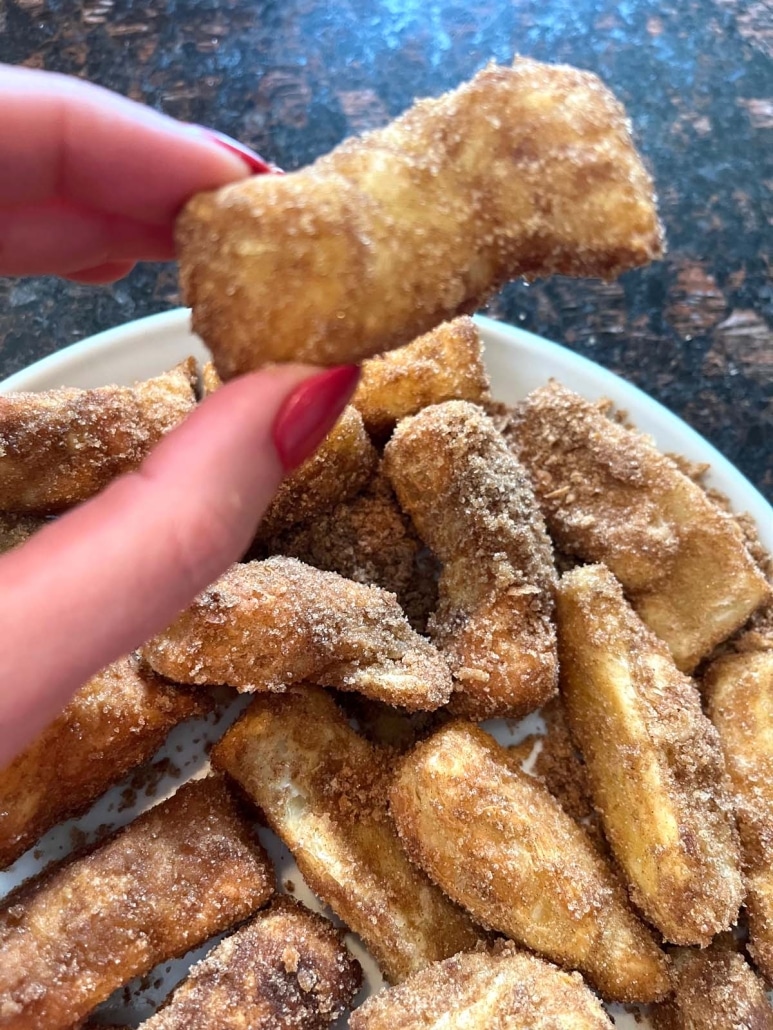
{"x":254,"y":161}
{"x":310,"y":412}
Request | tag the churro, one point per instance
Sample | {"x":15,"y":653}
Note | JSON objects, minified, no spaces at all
{"x":17,"y":529}
{"x":113,"y":723}
{"x":503,"y":987}
{"x":184,"y":871}
{"x":609,"y":496}
{"x":472,"y":504}
{"x":527,"y":170}
{"x":60,"y":447}
{"x":323,"y":789}
{"x":288,"y":968}
{"x":267,"y":625}
{"x":501,"y":846}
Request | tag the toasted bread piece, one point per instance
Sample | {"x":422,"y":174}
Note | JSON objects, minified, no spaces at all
{"x":608,"y":495}
{"x":654,"y":762}
{"x":739,"y":696}
{"x":17,"y":529}
{"x":528,"y":170}
{"x":371,"y":540}
{"x":445,"y":364}
{"x":471,"y":503}
{"x":184,"y":871}
{"x":60,"y":447}
{"x":267,"y":625}
{"x":286,"y":969}
{"x":114,"y":723}
{"x":715,"y":989}
{"x":323,"y":790}
{"x":501,"y":846}
{"x":503,"y":987}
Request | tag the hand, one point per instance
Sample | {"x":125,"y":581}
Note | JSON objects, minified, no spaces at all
{"x":89,"y":184}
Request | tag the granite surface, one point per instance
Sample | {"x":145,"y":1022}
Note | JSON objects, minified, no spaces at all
{"x":293,"y":77}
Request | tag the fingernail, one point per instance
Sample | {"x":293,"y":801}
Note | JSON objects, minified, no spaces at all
{"x":310,"y":412}
{"x":254,"y":161}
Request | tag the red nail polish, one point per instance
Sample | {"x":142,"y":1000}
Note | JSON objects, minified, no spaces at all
{"x":254,"y":161}
{"x":310,"y":412}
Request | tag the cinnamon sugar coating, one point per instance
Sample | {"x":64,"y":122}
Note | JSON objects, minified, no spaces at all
{"x":714,"y":989}
{"x":267,"y":625}
{"x":739,"y":696}
{"x":17,"y":529}
{"x":289,"y":968}
{"x":471,"y":502}
{"x":60,"y":447}
{"x":323,"y":789}
{"x":443,"y":365}
{"x":182,"y":872}
{"x":503,"y":987}
{"x":527,"y":170}
{"x":114,"y":722}
{"x":653,"y":759}
{"x":501,"y":846}
{"x":609,"y":496}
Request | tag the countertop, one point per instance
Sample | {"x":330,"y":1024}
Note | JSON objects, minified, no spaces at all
{"x":293,"y":77}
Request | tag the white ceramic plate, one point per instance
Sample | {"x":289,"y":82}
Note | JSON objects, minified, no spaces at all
{"x":518,"y":362}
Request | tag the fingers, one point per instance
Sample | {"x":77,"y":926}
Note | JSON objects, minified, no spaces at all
{"x":110,"y":272}
{"x":65,"y":138}
{"x":104,"y":578}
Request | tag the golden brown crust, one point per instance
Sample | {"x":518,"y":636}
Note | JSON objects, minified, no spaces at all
{"x":528,"y":170}
{"x":323,"y":790}
{"x":714,"y":989}
{"x":609,"y":496}
{"x":288,"y":968}
{"x":210,"y":380}
{"x":443,"y":365}
{"x":342,"y":465}
{"x":113,"y":723}
{"x":500,"y":845}
{"x":739,"y":696}
{"x":186,"y":870}
{"x":60,"y":447}
{"x":17,"y":529}
{"x":470,"y":501}
{"x":503,"y":987}
{"x":653,"y":759}
{"x":267,"y":625}
{"x":370,"y":540}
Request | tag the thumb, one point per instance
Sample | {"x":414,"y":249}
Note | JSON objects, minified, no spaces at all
{"x":104,"y":578}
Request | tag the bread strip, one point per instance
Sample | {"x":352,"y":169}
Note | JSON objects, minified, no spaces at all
{"x":288,"y":968}
{"x":323,"y":790}
{"x":114,"y":723}
{"x":523,"y":171}
{"x":184,"y":871}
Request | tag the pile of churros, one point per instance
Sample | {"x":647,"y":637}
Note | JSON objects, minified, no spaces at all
{"x":441,"y":561}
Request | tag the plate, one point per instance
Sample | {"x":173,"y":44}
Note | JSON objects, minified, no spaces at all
{"x":518,"y":362}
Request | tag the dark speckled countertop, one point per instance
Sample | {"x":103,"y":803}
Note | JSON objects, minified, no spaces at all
{"x":292,"y":77}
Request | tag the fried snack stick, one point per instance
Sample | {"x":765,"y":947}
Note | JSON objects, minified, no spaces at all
{"x":322,"y":789}
{"x":503,"y":987}
{"x":470,"y":501}
{"x":739,"y":695}
{"x":609,"y":496}
{"x":502,"y":847}
{"x":60,"y":447}
{"x":444,"y":365}
{"x":267,"y":625}
{"x":114,"y":723}
{"x":184,"y":871}
{"x":286,"y":969}
{"x":17,"y":529}
{"x":653,"y":760}
{"x":368,"y":539}
{"x":714,"y":989}
{"x":523,"y":171}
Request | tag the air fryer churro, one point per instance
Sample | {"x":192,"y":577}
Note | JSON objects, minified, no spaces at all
{"x":186,"y":870}
{"x":527,"y":170}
